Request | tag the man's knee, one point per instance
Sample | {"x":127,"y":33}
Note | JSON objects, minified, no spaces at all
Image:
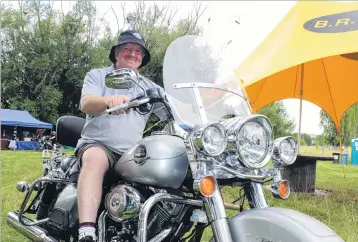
{"x":95,"y":158}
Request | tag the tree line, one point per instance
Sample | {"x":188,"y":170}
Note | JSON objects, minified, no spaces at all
{"x":46,"y":54}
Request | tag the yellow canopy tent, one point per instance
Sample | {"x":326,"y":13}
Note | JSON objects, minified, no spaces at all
{"x":312,"y":55}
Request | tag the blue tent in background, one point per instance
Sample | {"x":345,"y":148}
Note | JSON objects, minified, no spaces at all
{"x":19,"y":118}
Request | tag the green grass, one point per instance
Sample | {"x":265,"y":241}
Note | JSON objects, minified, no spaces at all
{"x":16,"y":166}
{"x":338,"y":210}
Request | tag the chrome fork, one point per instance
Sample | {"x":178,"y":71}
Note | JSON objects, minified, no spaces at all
{"x":255,"y":195}
{"x":215,"y":210}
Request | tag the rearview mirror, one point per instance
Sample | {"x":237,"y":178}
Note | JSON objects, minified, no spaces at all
{"x":124,"y":78}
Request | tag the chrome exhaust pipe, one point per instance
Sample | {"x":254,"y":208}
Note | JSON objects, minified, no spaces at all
{"x":34,"y":233}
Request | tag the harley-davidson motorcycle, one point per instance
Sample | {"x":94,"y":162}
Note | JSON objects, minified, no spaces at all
{"x":168,"y":186}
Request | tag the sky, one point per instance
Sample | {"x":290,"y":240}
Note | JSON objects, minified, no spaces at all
{"x":257,"y":19}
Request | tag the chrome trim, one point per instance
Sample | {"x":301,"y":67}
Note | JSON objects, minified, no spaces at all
{"x":197,"y":137}
{"x":159,"y":237}
{"x":22,"y":186}
{"x":221,"y":230}
{"x":118,"y":199}
{"x":214,"y":206}
{"x":255,"y":195}
{"x":191,"y":153}
{"x":199,"y":104}
{"x":102,"y":226}
{"x":125,"y":106}
{"x":233,"y":127}
{"x":33,"y":233}
{"x":276,"y":157}
{"x":277,"y":179}
{"x":241,"y":175}
{"x":205,"y":85}
{"x":28,"y":195}
{"x":274,"y":189}
{"x":121,"y":78}
{"x":147,"y":206}
{"x":216,"y":213}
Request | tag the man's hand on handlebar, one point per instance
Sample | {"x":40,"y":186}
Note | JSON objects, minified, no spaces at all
{"x":113,"y":101}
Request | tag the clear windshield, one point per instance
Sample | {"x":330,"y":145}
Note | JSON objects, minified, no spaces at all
{"x":202,"y":87}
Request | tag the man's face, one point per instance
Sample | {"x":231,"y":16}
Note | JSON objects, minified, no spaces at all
{"x":130,"y":55}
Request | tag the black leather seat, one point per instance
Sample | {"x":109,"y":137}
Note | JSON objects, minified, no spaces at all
{"x":68,"y":132}
{"x":69,"y":129}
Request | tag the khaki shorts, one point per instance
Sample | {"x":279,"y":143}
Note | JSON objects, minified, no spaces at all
{"x":112,"y":156}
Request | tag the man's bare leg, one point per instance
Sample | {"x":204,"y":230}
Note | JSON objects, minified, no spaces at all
{"x":94,"y":166}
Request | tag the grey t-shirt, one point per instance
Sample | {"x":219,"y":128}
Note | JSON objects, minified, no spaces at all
{"x":118,"y":132}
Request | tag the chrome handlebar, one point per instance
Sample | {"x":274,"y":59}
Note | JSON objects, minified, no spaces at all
{"x":132,"y":104}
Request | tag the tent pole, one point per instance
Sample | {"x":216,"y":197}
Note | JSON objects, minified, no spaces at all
{"x":300,"y":115}
{"x":340,"y":155}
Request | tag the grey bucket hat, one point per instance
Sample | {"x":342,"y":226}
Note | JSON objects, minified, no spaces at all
{"x":131,"y":36}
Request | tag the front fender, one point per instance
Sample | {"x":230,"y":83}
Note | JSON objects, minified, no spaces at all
{"x":273,"y":224}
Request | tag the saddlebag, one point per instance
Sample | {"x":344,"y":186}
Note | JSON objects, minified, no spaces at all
{"x":64,"y":216}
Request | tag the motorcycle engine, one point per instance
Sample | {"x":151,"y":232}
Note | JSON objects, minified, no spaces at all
{"x":123,"y":204}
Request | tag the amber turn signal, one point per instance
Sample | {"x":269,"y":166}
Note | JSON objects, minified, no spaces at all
{"x":281,"y":189}
{"x":207,"y":186}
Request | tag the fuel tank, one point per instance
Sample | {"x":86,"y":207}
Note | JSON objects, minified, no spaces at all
{"x":157,"y":160}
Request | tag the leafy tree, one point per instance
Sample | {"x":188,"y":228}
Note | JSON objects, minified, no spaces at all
{"x":329,"y":131}
{"x":156,"y":25}
{"x":319,"y":141}
{"x":276,"y":112}
{"x":45,"y":56}
{"x":306,"y":137}
{"x":46,"y":53}
{"x":348,"y":127}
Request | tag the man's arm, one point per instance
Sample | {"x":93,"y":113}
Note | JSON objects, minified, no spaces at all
{"x":93,"y":104}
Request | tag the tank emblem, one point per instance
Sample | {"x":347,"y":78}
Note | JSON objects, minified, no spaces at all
{"x":140,"y":154}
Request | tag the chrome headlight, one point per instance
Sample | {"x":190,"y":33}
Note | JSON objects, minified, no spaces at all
{"x":254,"y":141}
{"x":211,"y":139}
{"x":285,"y":150}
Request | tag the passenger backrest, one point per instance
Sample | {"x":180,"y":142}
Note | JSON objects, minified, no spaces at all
{"x":69,"y":129}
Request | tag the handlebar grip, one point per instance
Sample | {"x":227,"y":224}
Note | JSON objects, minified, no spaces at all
{"x":118,"y":108}
{"x":124,"y":106}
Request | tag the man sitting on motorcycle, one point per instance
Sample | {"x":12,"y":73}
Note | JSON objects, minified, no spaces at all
{"x":106,"y":137}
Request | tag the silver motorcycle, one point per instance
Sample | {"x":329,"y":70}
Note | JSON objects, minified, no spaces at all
{"x":168,"y":186}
